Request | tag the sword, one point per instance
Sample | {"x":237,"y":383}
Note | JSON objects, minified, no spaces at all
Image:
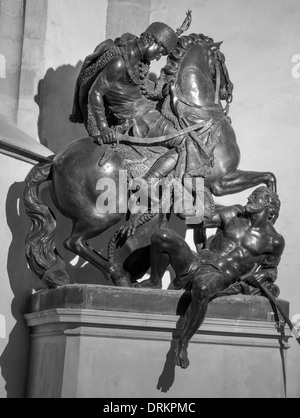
{"x":272,"y":299}
{"x":275,"y":302}
{"x":269,"y":296}
{"x":127,"y":139}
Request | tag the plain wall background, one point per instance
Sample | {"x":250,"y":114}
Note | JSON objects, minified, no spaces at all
{"x":260,"y":38}
{"x":43,"y":52}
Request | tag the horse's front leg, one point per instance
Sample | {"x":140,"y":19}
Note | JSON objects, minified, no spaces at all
{"x":239,"y":180}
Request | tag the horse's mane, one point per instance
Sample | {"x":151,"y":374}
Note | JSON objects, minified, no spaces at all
{"x":215,"y":64}
{"x":185,"y":43}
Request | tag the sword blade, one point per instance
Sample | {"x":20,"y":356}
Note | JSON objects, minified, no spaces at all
{"x":127,"y":139}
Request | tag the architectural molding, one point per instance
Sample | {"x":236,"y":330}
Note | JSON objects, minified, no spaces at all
{"x":88,"y":322}
{"x":17,"y":144}
{"x":86,"y":341}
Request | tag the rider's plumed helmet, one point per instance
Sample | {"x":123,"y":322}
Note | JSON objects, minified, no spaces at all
{"x":163,"y":35}
{"x":166,"y":36}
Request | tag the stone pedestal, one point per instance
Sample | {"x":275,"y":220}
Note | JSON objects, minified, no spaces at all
{"x":104,"y":342}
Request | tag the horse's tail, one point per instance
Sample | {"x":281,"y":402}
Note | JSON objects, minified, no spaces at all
{"x":41,"y":252}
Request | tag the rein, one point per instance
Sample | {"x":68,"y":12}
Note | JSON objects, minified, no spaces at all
{"x":218,"y":81}
{"x":191,"y":104}
{"x":176,"y":96}
{"x":219,"y":63}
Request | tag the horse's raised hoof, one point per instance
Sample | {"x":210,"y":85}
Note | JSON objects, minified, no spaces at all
{"x":271,"y":182}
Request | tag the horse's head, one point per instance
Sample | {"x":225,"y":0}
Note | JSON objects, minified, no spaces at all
{"x":198,"y":69}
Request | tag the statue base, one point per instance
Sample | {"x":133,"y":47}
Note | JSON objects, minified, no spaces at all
{"x":108,"y":342}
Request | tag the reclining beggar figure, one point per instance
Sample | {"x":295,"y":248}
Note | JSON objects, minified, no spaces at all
{"x":246,"y":240}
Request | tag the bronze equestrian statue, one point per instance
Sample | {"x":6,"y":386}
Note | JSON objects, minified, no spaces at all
{"x":135,"y":134}
{"x":246,"y":240}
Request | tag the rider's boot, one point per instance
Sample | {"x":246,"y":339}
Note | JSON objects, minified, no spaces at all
{"x":163,"y":166}
{"x":147,"y":184}
{"x":160,"y":170}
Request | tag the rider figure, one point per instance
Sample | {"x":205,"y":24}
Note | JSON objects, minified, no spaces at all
{"x":113,"y":83}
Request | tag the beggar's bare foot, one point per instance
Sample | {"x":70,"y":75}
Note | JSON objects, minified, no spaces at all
{"x":181,"y":358}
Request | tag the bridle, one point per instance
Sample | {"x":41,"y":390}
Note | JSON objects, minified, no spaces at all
{"x":221,"y":113}
{"x":219,"y":63}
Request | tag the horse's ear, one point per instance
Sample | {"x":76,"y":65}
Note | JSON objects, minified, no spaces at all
{"x":216,"y":46}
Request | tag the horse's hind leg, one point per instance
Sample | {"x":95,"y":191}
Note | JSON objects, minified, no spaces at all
{"x":77,"y":243}
{"x":239,"y":180}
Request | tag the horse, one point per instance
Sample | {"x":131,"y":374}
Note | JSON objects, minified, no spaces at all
{"x":199,"y":81}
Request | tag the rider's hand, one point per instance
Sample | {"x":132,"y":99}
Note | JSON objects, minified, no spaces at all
{"x":107,"y":136}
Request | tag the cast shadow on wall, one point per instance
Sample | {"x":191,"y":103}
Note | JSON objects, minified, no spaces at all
{"x":14,"y":359}
{"x":55,"y":100}
{"x":168,"y":374}
{"x":55,"y":96}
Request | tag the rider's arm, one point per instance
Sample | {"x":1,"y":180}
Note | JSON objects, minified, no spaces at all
{"x":103,"y":83}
